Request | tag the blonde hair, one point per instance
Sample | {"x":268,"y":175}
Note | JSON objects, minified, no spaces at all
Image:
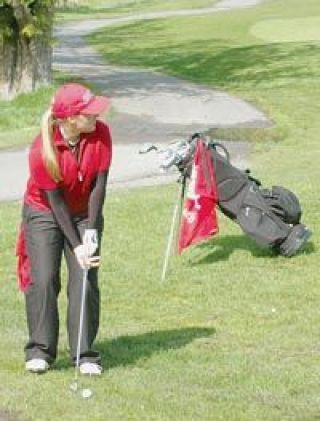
{"x":49,"y":152}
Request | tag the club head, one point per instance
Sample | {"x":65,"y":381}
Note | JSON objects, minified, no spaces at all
{"x":147,"y":147}
{"x":74,"y":386}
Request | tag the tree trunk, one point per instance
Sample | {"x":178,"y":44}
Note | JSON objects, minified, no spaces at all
{"x":25,"y":62}
{"x":25,"y":66}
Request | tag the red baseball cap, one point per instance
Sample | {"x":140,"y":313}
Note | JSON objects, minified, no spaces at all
{"x":73,"y":99}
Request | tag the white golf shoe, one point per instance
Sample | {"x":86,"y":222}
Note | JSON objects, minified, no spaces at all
{"x":91,"y":369}
{"x":37,"y":365}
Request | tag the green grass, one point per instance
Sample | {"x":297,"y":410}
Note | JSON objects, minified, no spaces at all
{"x":97,"y":9}
{"x":288,"y":30}
{"x":233,"y":333}
{"x":20,"y":118}
{"x":241,"y":345}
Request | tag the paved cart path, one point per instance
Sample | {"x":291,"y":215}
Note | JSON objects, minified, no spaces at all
{"x":151,"y":106}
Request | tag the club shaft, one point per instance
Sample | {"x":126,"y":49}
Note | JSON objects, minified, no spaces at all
{"x":82,"y":308}
{"x":170,"y":239}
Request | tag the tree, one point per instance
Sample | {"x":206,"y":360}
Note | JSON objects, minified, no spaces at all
{"x":25,"y":45}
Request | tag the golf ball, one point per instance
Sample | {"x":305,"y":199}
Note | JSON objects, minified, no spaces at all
{"x":86,"y":393}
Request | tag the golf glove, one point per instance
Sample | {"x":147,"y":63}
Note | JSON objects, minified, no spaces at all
{"x":90,"y":241}
{"x":81,"y":255}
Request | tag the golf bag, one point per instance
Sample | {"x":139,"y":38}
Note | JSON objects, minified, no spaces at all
{"x":271,"y":217}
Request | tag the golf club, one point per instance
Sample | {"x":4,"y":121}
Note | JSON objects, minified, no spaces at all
{"x":176,"y":213}
{"x":74,"y":386}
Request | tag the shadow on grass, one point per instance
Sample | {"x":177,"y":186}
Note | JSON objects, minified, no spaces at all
{"x":6,"y":415}
{"x":127,"y":350}
{"x":221,"y":248}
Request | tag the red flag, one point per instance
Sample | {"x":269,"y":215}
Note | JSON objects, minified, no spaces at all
{"x":199,"y":220}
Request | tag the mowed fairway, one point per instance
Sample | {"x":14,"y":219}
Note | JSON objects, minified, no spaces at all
{"x":233,"y":334}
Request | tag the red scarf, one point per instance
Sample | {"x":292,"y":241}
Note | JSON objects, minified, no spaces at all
{"x":23,"y":263}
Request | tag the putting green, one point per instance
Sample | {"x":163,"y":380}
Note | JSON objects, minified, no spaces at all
{"x":288,"y":30}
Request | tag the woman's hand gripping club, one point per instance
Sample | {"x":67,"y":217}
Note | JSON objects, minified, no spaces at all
{"x":85,"y":251}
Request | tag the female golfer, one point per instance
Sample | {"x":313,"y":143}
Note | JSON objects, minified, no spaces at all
{"x":62,"y":214}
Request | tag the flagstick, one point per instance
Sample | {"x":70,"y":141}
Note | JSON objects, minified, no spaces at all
{"x":171,"y":234}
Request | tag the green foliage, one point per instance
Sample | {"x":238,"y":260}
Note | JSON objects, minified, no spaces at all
{"x":7,"y":21}
{"x":37,"y":18}
{"x":29,"y":30}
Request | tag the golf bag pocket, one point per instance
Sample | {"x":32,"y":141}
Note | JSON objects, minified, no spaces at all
{"x":231,"y":184}
{"x":283,"y":203}
{"x":259,"y":222}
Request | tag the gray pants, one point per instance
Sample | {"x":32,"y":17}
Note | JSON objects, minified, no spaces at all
{"x":45,"y":245}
